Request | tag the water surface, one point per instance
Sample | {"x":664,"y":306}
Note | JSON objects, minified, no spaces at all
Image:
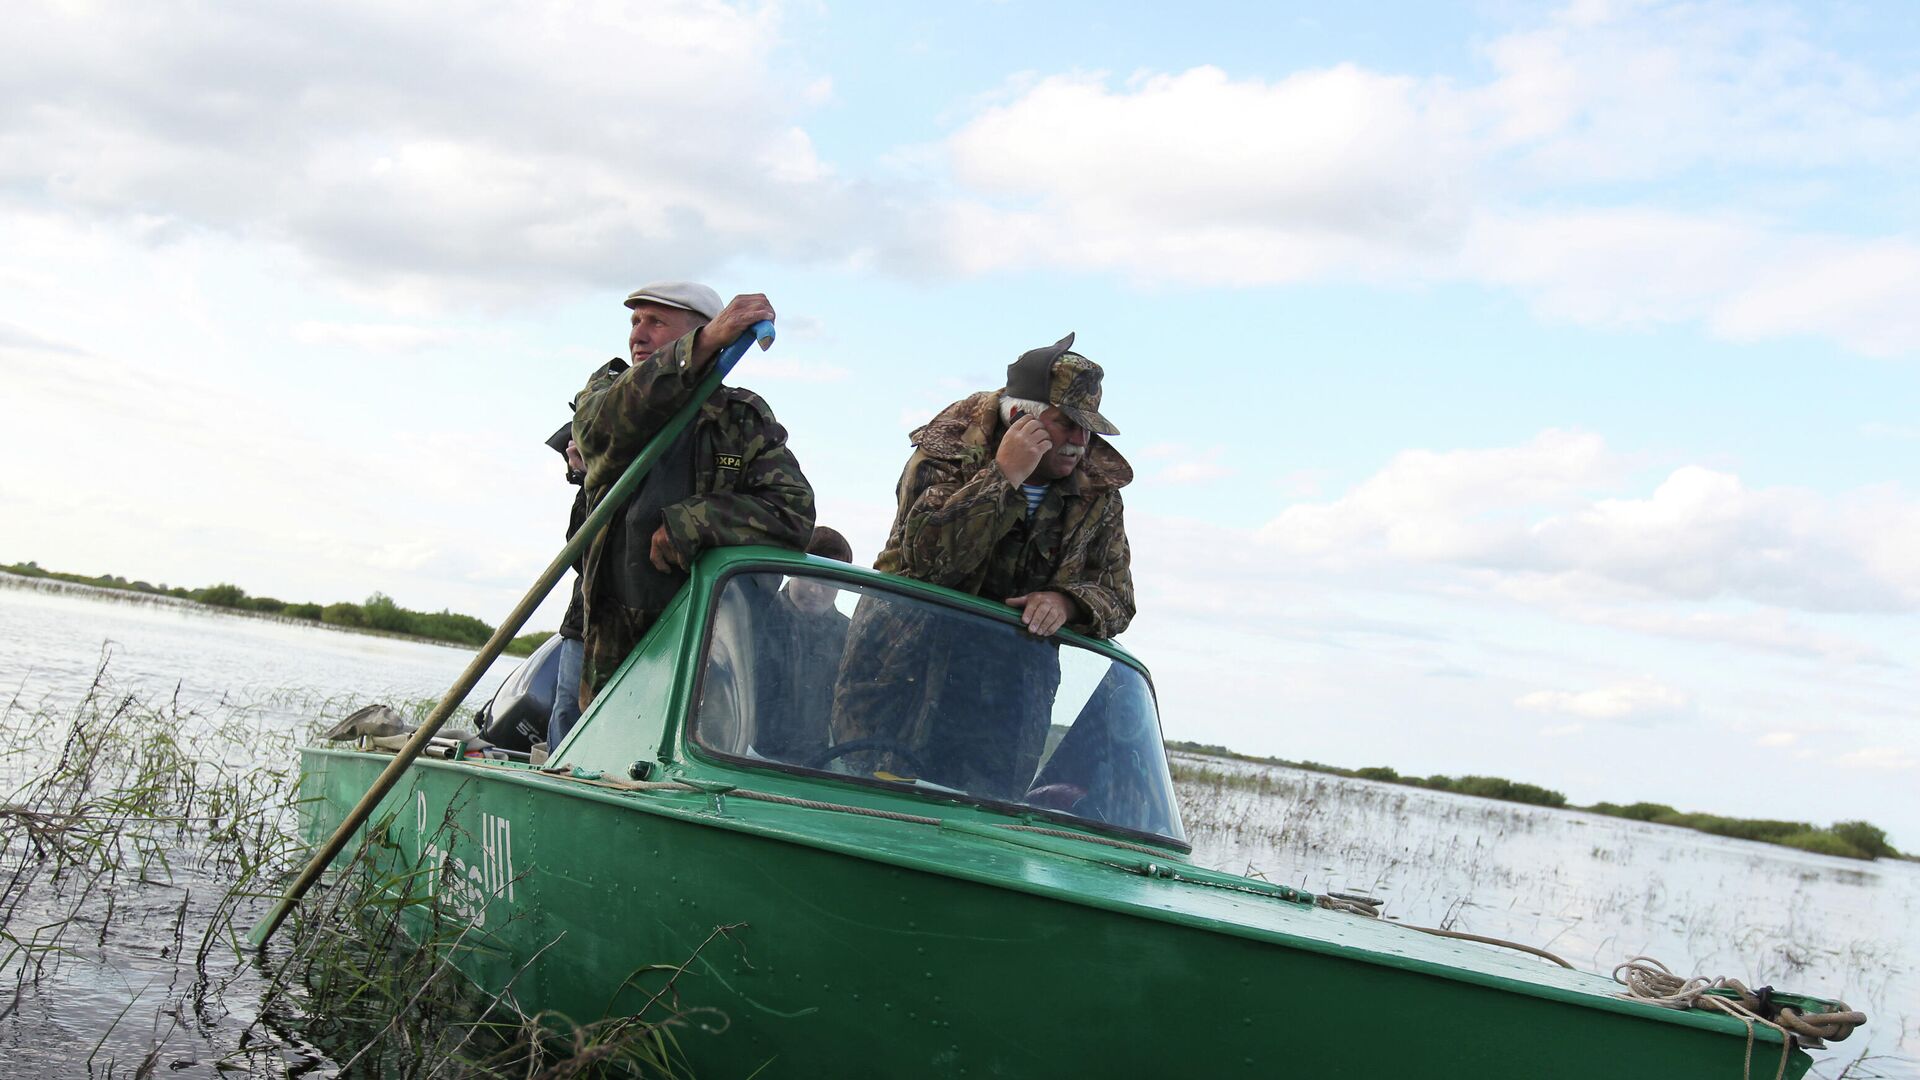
{"x":1592,"y":889}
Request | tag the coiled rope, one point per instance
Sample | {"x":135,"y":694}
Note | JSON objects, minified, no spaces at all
{"x":1650,"y":981}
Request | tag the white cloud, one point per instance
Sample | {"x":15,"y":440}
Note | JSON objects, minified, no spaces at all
{"x":783,"y":368}
{"x":1703,"y":534}
{"x":1214,"y":179}
{"x":376,"y":337}
{"x":1630,"y":702}
{"x":1877,"y":430}
{"x":1778,"y":738}
{"x":1621,"y":91}
{"x":20,"y":339}
{"x":1879,"y":758}
{"x":1536,"y":178}
{"x":1540,"y":514}
{"x":494,"y":153}
{"x":1180,"y":464}
{"x":1767,"y":630}
{"x":1455,"y":504}
{"x":1747,"y":279}
{"x":563,"y":157}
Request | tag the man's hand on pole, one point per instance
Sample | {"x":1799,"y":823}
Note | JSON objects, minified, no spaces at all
{"x":735,"y":319}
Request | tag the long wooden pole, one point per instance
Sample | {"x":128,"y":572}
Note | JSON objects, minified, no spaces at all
{"x":597,"y":520}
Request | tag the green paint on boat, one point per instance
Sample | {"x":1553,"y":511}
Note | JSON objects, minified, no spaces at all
{"x":905,"y":928}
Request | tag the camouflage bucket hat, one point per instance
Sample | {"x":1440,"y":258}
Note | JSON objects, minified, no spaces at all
{"x":1058,"y":376}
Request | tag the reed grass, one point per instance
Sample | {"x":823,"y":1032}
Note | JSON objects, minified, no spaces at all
{"x":1847,"y":839}
{"x":1592,"y":889}
{"x":140,"y":839}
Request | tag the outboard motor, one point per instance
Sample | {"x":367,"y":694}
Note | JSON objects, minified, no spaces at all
{"x":516,"y":716}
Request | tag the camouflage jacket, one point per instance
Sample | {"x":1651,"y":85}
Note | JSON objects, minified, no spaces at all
{"x":909,"y":676}
{"x":747,"y":486}
{"x":962,"y":525}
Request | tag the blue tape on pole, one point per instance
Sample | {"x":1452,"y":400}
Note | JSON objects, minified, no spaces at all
{"x":761,"y":332}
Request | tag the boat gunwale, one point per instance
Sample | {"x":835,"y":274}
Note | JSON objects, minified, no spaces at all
{"x":670,"y":804}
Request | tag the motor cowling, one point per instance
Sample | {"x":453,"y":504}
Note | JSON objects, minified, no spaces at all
{"x":516,"y":716}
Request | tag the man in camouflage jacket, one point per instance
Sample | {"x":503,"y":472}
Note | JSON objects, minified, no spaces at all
{"x":1012,"y":495}
{"x":729,"y":480}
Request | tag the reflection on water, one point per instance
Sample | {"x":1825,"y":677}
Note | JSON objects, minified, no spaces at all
{"x":1595,"y":890}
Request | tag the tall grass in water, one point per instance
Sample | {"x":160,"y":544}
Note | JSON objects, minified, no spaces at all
{"x":140,"y":839}
{"x":1593,"y":890}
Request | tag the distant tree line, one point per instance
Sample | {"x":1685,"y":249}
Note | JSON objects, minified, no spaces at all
{"x":1487,"y":787}
{"x":1851,"y":839}
{"x":378,"y":612}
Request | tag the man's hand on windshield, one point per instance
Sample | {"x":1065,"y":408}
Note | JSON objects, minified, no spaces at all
{"x":1043,"y":612}
{"x":663,"y":552}
{"x":735,"y":319}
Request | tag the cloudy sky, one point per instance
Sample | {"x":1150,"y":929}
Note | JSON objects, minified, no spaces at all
{"x":1518,"y":389}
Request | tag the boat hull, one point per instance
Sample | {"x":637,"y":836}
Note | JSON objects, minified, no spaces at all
{"x":866,"y":946}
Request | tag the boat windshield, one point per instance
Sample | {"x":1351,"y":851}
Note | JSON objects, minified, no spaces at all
{"x":827,"y":675}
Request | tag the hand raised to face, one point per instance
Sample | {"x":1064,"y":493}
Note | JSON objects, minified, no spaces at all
{"x":1021,"y":448}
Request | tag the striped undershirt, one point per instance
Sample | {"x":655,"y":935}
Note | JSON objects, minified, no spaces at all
{"x":1034,"y":493}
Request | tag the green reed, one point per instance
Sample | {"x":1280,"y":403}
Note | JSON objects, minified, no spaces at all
{"x":140,"y":838}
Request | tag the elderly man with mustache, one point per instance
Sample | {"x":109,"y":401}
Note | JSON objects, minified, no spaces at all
{"x":1012,"y":495}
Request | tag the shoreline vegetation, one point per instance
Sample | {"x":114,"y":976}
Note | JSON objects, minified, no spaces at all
{"x":380,"y":615}
{"x":140,"y":839}
{"x":1847,"y":839}
{"x":377,"y":615}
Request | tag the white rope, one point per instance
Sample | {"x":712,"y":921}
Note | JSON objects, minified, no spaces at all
{"x":1652,"y":982}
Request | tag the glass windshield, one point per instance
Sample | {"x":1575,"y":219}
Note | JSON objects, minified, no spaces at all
{"x":828,"y":675}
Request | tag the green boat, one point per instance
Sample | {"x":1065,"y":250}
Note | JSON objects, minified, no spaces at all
{"x":957,"y":852}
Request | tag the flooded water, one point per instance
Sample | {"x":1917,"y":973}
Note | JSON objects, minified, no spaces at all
{"x":54,"y":639}
{"x":1595,"y":890}
{"x":131,"y":969}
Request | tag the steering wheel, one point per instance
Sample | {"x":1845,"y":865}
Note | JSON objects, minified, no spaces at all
{"x":871,"y":742}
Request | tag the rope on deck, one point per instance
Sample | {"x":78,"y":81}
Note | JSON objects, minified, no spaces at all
{"x":1502,"y":942}
{"x":1369,"y":907}
{"x":1650,"y":981}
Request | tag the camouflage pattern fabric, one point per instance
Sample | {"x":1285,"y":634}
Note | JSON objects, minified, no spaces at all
{"x":748,"y":488}
{"x":962,"y":525}
{"x":1074,"y":385}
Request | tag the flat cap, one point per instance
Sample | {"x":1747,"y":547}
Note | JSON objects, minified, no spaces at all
{"x":685,"y":295}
